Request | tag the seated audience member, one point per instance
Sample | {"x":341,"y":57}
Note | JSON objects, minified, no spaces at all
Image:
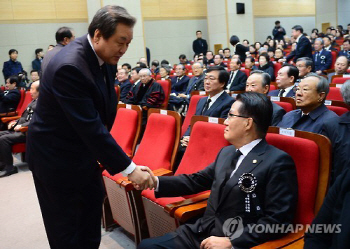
{"x":252,"y":51}
{"x":328,"y":44}
{"x":309,"y":98}
{"x":218,"y":58}
{"x":272,"y":44}
{"x":141,"y":64}
{"x":165,"y":62}
{"x":257,"y":46}
{"x":237,"y":78}
{"x":259,"y":82}
{"x":245,"y":43}
{"x":147,"y":94}
{"x":39,"y":56}
{"x":210,"y":57}
{"x":341,"y":66}
{"x":10,"y":98}
{"x":304,"y":65}
{"x":180,"y":82}
{"x":278,"y":54}
{"x":322,"y":58}
{"x":266,"y":66}
{"x":144,"y":61}
{"x":12,"y":66}
{"x":124,"y":83}
{"x":134,"y":76}
{"x":266,"y":46}
{"x":183,"y":60}
{"x":13,"y":135}
{"x":227,"y":54}
{"x":286,"y":78}
{"x":164,"y":72}
{"x":221,"y":51}
{"x":276,"y":192}
{"x":34,"y":76}
{"x":338,"y":130}
{"x":346,"y":49}
{"x":155,"y":67}
{"x":250,"y":63}
{"x":271,"y":53}
{"x":238,"y":48}
{"x":127,"y":67}
{"x":196,"y":83}
{"x":262,"y":50}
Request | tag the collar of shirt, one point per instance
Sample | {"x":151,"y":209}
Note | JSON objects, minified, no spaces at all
{"x":297,"y":40}
{"x":100,"y":61}
{"x":245,"y":149}
{"x":314,"y":114}
{"x":214,"y":98}
{"x":286,"y":91}
{"x":180,"y":78}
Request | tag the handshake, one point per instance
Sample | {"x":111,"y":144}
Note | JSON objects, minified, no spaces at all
{"x":142,"y":178}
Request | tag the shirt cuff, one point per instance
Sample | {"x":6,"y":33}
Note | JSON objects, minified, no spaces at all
{"x":157,"y":188}
{"x":129,"y":169}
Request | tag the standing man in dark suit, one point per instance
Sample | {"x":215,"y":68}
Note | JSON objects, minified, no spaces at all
{"x":10,"y":98}
{"x":36,"y":63}
{"x":238,"y":79}
{"x":64,"y":36}
{"x":268,"y":172}
{"x":286,"y":78}
{"x":322,"y":58}
{"x":303,"y":48}
{"x":239,"y":49}
{"x":278,"y":32}
{"x":259,"y":82}
{"x":309,"y":98}
{"x":199,"y":45}
{"x":69,"y":134}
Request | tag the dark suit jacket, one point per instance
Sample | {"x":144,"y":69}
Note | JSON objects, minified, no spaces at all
{"x":324,"y":60}
{"x":239,"y":82}
{"x":125,"y":88}
{"x":200,"y":46}
{"x":36,"y":64}
{"x":180,"y":86}
{"x":278,"y":35}
{"x":338,"y":131}
{"x":69,"y":132}
{"x":277,"y":114}
{"x":290,"y":94}
{"x":11,"y":68}
{"x":303,"y":49}
{"x":277,"y":193}
{"x":195,"y":84}
{"x":49,"y":55}
{"x":335,"y":212}
{"x":219,"y":109}
{"x":344,"y":53}
{"x":312,"y":122}
{"x":9,"y":100}
{"x":241,"y":50}
{"x":27,"y":114}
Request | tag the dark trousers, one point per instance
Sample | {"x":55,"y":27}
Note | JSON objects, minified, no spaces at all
{"x":72,"y":215}
{"x":7,"y":139}
{"x":168,"y":241}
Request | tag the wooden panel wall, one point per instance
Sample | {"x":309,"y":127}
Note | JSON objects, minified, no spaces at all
{"x":15,"y":11}
{"x":263,"y":8}
{"x":169,"y":9}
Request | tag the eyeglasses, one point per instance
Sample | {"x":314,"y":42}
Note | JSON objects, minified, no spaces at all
{"x":231,"y":115}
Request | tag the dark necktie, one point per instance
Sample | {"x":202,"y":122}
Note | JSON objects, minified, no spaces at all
{"x":206,"y":106}
{"x":104,"y":72}
{"x":317,"y":55}
{"x":281,"y":93}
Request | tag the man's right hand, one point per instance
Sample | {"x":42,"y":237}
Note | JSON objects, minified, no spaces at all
{"x":142,"y":177}
{"x":184,"y":141}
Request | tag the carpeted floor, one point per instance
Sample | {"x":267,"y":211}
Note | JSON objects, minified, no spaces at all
{"x":21,"y":225}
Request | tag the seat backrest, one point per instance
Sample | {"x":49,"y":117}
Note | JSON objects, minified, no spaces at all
{"x":205,"y":143}
{"x":276,"y":66}
{"x":334,"y":94}
{"x":246,"y":71}
{"x":160,"y":141}
{"x":288,"y":104}
{"x":285,"y":105}
{"x":334,"y":58}
{"x":126,"y":127}
{"x":340,"y":80}
{"x":312,"y":157}
{"x":166,"y":85}
{"x":273,"y":87}
{"x":190,"y":112}
{"x":117,"y":91}
{"x":26,"y":98}
{"x":339,"y":107}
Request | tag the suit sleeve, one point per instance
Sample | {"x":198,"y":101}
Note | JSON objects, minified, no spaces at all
{"x":301,"y":48}
{"x":74,"y":96}
{"x":277,"y":117}
{"x":280,"y":203}
{"x":199,"y":108}
{"x":156,"y":98}
{"x":6,"y":70}
{"x":12,"y":96}
{"x":328,"y":61}
{"x":125,"y":91}
{"x":241,"y":83}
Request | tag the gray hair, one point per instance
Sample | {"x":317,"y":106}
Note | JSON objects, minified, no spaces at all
{"x":146,"y":70}
{"x":198,"y":62}
{"x":321,"y":40}
{"x":322,"y":84}
{"x":307,"y":60}
{"x":345,"y":92}
{"x":266,"y":79}
{"x":166,"y":68}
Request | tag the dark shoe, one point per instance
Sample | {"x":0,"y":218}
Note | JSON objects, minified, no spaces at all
{"x":7,"y":172}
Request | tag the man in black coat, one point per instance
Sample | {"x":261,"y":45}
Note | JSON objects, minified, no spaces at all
{"x":239,"y":49}
{"x":250,"y":164}
{"x":278,"y":32}
{"x":238,"y":79}
{"x":199,"y":45}
{"x":10,"y":98}
{"x":69,"y":134}
{"x":303,"y":48}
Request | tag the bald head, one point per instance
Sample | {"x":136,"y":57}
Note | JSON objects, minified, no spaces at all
{"x":34,"y":89}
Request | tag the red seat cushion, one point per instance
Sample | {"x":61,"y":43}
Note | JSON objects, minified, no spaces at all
{"x":340,"y":80}
{"x":338,"y":109}
{"x":149,"y":194}
{"x":19,"y":148}
{"x":113,"y":177}
{"x":334,"y":93}
{"x":190,"y":112}
{"x":285,"y":105}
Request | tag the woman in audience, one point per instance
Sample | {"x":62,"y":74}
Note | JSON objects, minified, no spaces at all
{"x":283,"y":44}
{"x":271,"y":53}
{"x":272,"y":44}
{"x":164,"y":72}
{"x":245,"y":42}
{"x":266,"y":66}
{"x":252,"y":51}
{"x":278,"y":54}
{"x":338,"y":35}
{"x":257,"y":46}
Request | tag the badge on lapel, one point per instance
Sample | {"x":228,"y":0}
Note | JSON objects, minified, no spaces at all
{"x":247,"y":182}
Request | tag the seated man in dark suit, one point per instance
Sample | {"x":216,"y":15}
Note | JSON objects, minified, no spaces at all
{"x":227,"y":54}
{"x":328,"y":44}
{"x":346,"y":49}
{"x":124,"y":83}
{"x":268,"y":173}
{"x":341,"y":66}
{"x":10,"y":98}
{"x":304,"y":65}
{"x":218,"y":58}
{"x":237,"y":78}
{"x":259,"y":82}
{"x":338,"y":130}
{"x":322,"y":58}
{"x":147,"y":94}
{"x":13,"y":135}
{"x":178,"y":85}
{"x":286,"y":78}
{"x":210,"y":57}
{"x":312,"y":113}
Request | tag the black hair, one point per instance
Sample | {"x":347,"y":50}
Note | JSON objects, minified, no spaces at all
{"x":298,"y":28}
{"x":251,"y":59}
{"x":12,"y":51}
{"x":33,"y":71}
{"x":234,"y":40}
{"x":223,"y":74}
{"x":38,"y":50}
{"x":141,"y":64}
{"x":155,"y":63}
{"x":62,"y":33}
{"x":137,"y":69}
{"x":127,"y":65}
{"x":277,"y":22}
{"x":221,"y":56}
{"x":14,"y":79}
{"x":182,"y":56}
{"x":292,"y":71}
{"x":227,"y":49}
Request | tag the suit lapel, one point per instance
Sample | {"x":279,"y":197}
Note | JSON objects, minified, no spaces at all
{"x":249,"y":163}
{"x":217,"y":103}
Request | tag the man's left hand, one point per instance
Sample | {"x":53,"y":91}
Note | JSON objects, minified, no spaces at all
{"x":216,"y":242}
{"x":17,"y":127}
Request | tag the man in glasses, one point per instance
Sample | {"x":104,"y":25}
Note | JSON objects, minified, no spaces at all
{"x":309,"y":98}
{"x":250,"y":164}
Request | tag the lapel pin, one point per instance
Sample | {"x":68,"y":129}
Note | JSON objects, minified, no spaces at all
{"x":255,"y":161}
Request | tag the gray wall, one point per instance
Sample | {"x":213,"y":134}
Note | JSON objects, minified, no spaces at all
{"x":28,"y":37}
{"x":343,"y":13}
{"x":264,"y":25}
{"x":169,"y":38}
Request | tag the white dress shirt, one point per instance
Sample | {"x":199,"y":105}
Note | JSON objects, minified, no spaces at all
{"x":214,"y":98}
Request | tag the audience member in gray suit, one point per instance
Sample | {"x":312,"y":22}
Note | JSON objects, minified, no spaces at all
{"x":340,"y":67}
{"x":259,"y":82}
{"x":64,"y":36}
